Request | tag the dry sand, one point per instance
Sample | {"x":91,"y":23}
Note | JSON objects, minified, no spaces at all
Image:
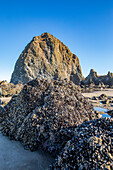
{"x":96,"y":103}
{"x":108,"y":92}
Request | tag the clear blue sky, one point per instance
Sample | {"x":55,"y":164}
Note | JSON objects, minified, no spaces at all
{"x":85,"y":26}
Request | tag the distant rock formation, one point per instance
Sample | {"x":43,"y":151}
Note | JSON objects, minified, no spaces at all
{"x":9,"y":89}
{"x":48,"y":56}
{"x":93,"y":78}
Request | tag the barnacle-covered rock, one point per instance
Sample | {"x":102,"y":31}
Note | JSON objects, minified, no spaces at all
{"x":1,"y":113}
{"x":90,"y":148}
{"x":45,"y":114}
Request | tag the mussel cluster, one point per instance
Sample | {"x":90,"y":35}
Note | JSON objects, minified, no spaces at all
{"x":45,"y":113}
{"x":53,"y":115}
{"x":91,"y":147}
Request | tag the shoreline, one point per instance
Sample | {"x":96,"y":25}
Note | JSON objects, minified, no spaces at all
{"x":97,"y":102}
{"x":108,"y":92}
{"x":14,"y":156}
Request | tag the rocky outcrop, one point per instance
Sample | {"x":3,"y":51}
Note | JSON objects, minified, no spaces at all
{"x":90,"y":148}
{"x":46,"y":55}
{"x":9,"y":89}
{"x":45,"y":113}
{"x":95,"y":79}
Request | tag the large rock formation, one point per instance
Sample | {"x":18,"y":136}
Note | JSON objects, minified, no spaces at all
{"x":46,"y":55}
{"x":45,"y":113}
{"x":93,"y":78}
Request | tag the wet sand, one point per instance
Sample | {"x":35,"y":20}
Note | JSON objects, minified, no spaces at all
{"x":13,"y":156}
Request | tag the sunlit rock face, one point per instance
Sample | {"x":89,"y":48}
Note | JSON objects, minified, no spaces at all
{"x":9,"y":89}
{"x":48,"y":56}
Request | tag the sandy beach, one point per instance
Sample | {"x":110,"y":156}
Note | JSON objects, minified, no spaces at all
{"x":108,"y":92}
{"x":13,"y":156}
{"x":97,"y":102}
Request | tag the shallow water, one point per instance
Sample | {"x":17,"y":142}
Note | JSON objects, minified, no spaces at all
{"x":100,"y":109}
{"x":106,"y":115}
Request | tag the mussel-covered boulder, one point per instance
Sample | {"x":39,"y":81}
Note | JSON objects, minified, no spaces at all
{"x":1,"y":113}
{"x":90,"y":148}
{"x":45,"y":113}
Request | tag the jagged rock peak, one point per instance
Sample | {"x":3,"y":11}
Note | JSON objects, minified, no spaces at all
{"x":48,"y":56}
{"x":93,"y":77}
{"x":93,"y":72}
{"x":110,"y":74}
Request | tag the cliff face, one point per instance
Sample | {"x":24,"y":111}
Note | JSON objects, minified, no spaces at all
{"x":96,"y":79}
{"x":48,"y":56}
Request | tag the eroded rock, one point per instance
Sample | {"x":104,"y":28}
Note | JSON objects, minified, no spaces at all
{"x":101,"y":81}
{"x":46,"y":55}
{"x":9,"y":89}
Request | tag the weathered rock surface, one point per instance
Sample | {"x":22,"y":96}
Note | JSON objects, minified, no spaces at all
{"x":95,"y":79}
{"x":45,"y":113}
{"x":46,"y":55}
{"x":90,"y":148}
{"x":9,"y":89}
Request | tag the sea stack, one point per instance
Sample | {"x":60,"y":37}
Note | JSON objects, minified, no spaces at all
{"x":93,"y":77}
{"x":47,"y":56}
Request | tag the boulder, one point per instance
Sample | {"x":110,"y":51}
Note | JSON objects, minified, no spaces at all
{"x":1,"y":113}
{"x":103,"y":96}
{"x":110,"y":112}
{"x":90,"y":148}
{"x":105,"y":101}
{"x":45,"y":113}
{"x":94,"y":98}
